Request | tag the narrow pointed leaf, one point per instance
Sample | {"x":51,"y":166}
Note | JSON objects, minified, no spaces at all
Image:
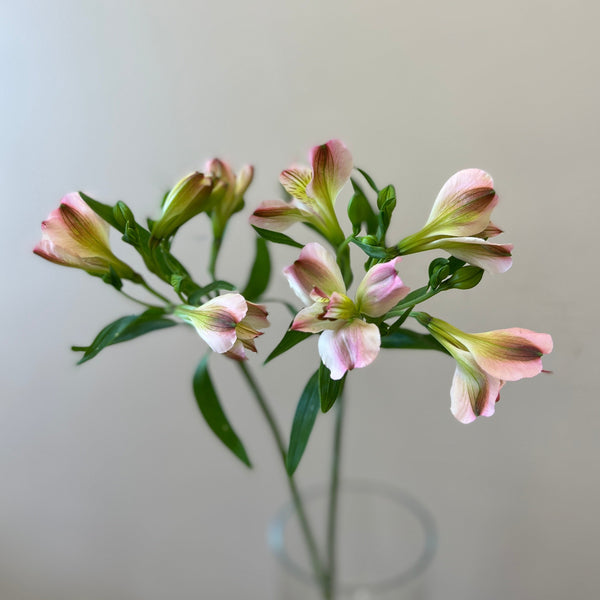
{"x":329,"y":389}
{"x":289,"y":340}
{"x":261,"y":272}
{"x":370,"y":250}
{"x":369,"y":180}
{"x":123,"y":330}
{"x":304,"y":420}
{"x":360,"y":211}
{"x":196,"y":298}
{"x":210,"y":407}
{"x":277,"y":238}
{"x":406,"y":338}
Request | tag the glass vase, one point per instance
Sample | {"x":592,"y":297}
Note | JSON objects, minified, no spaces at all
{"x":385,"y":543}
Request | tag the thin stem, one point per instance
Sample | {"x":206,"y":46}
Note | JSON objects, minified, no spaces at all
{"x":154,"y":292}
{"x":321,"y":575}
{"x":137,"y":301}
{"x":334,"y":488}
{"x":214,"y":253}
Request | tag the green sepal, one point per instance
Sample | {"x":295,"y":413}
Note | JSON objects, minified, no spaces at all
{"x":360,"y":211}
{"x":304,"y":420}
{"x":370,"y":249}
{"x":112,"y":278}
{"x":386,"y":203}
{"x":369,"y":180}
{"x":288,"y":341}
{"x":406,"y":338}
{"x":260,"y":274}
{"x":102,"y":210}
{"x":277,"y":238}
{"x":210,"y":407}
{"x":329,"y":389}
{"x":123,"y":330}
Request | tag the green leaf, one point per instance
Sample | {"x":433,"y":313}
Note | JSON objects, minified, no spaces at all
{"x":277,"y":238}
{"x":261,"y":272}
{"x":289,"y":340}
{"x":329,"y":389}
{"x":304,"y":419}
{"x":123,"y":330}
{"x":360,"y":211}
{"x":369,"y":249}
{"x":112,"y":278}
{"x":406,"y":338}
{"x":369,"y":180}
{"x":102,"y":210}
{"x":210,"y":407}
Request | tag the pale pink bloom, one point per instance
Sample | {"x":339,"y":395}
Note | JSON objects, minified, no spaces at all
{"x":313,"y":191}
{"x":485,"y":361}
{"x":347,"y":341}
{"x":190,"y":196}
{"x":459,"y":223}
{"x":227,"y":196}
{"x":227,"y":323}
{"x":73,"y":235}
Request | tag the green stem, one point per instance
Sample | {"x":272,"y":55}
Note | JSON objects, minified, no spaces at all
{"x":334,"y":488}
{"x":138,"y":301}
{"x":154,"y":292}
{"x":214,"y":253}
{"x":320,"y":573}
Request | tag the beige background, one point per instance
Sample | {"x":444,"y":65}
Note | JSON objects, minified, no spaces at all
{"x":112,"y":486}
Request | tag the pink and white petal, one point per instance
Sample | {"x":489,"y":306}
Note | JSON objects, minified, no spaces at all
{"x":490,"y":231}
{"x":352,"y":346}
{"x":315,"y":268}
{"x":243,"y":180}
{"x":340,"y":307}
{"x":277,"y":215}
{"x":216,"y":320}
{"x":381,"y":289}
{"x":509,"y":354}
{"x":237,"y":351}
{"x":473,"y":393}
{"x":294,"y":180}
{"x":464,"y":204}
{"x":331,"y":166}
{"x":494,"y":258}
{"x":256,"y":317}
{"x":312,"y":318}
{"x":99,"y":226}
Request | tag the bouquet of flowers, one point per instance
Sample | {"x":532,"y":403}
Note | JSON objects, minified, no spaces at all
{"x":351,"y":327}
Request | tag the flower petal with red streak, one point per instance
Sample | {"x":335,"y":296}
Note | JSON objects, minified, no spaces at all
{"x":352,"y":346}
{"x":381,"y":289}
{"x":495,"y":258}
{"x":332,"y":167}
{"x":277,"y":215}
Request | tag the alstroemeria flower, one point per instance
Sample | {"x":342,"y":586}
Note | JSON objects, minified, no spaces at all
{"x":73,"y":235}
{"x":313,"y":191}
{"x":485,"y":361}
{"x":347,"y":341}
{"x":459,"y":223}
{"x":190,"y":196}
{"x":227,"y":323}
{"x":228,"y":192}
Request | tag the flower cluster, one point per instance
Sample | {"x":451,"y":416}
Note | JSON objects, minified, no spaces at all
{"x":351,"y":328}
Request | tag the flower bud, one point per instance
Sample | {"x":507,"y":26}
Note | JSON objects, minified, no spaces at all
{"x":465,"y":278}
{"x":191,"y":196}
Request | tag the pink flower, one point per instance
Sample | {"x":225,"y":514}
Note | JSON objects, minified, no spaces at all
{"x":485,"y":361}
{"x":346,"y":341}
{"x":313,"y":191}
{"x":73,"y":235}
{"x":459,"y":223}
{"x":228,"y":323}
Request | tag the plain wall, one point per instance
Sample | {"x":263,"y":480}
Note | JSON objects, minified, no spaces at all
{"x":112,"y":485}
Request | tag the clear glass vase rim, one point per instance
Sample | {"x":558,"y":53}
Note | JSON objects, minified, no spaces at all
{"x":401,"y":497}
